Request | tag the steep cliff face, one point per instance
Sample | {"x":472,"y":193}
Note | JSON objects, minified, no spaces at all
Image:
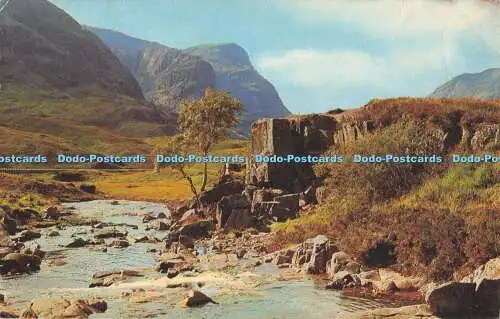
{"x":166,"y":75}
{"x":304,"y":135}
{"x":235,"y":72}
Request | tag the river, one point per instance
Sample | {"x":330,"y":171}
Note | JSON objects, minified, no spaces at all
{"x":260,"y":297}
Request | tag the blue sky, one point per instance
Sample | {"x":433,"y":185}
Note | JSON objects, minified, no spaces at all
{"x":321,"y":54}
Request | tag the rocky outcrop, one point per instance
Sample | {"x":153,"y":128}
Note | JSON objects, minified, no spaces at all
{"x":352,"y":131}
{"x":58,"y":308}
{"x":299,"y":136}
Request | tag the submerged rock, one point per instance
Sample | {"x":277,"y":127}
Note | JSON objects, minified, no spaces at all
{"x":27,"y":235}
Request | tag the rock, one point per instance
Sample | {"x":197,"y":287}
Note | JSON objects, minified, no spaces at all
{"x":287,"y":207}
{"x":383,"y":287}
{"x":159,"y":225}
{"x":140,"y":239}
{"x":338,"y":261}
{"x":19,"y":263}
{"x":321,"y":253}
{"x":53,"y":233}
{"x":450,"y":299}
{"x":54,"y":308}
{"x":119,"y":243}
{"x":92,"y":189}
{"x":77,"y":243}
{"x":52,"y":213}
{"x":343,"y":279}
{"x":101,"y":249}
{"x":2,"y":298}
{"x":189,"y":216}
{"x":186,"y":241}
{"x":197,"y":298}
{"x":487,"y":281}
{"x":147,"y":218}
{"x":197,"y":230}
{"x":220,"y":190}
{"x":233,"y":212}
{"x":27,"y":235}
{"x":283,"y":257}
{"x":110,"y":233}
{"x":171,"y":273}
{"x":115,"y":203}
{"x":299,"y":135}
{"x":56,"y":262}
{"x":402,"y":282}
{"x":4,"y":251}
{"x":353,"y":267}
{"x":9,"y":224}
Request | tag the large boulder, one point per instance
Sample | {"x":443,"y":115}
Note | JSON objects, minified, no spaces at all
{"x":450,"y":299}
{"x":302,"y":254}
{"x":338,"y":262}
{"x":321,"y":254}
{"x":59,"y":307}
{"x":233,"y":212}
{"x":487,"y":281}
{"x":9,"y":224}
{"x":19,"y":263}
{"x":287,"y":207}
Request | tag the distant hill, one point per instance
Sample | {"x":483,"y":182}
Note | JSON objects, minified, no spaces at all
{"x":484,"y":85}
{"x":167,"y":75}
{"x":57,"y":78}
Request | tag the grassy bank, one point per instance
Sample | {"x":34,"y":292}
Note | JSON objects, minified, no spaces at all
{"x":434,"y":220}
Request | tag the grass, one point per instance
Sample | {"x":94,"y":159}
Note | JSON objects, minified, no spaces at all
{"x":168,"y":185}
{"x":438,"y":221}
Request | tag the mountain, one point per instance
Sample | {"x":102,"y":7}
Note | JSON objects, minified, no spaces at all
{"x":56,"y":76}
{"x":235,"y":72}
{"x":168,"y":76}
{"x":484,"y":85}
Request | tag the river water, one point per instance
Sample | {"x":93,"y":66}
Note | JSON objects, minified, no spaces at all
{"x":265,"y":297}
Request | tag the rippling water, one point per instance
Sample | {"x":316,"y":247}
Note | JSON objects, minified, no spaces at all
{"x":279,"y":299}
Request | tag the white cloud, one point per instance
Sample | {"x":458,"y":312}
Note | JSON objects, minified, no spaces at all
{"x":341,"y":69}
{"x":395,"y":18}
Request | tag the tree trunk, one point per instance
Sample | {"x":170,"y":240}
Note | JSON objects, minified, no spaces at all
{"x":205,"y":177}
{"x":193,"y":188}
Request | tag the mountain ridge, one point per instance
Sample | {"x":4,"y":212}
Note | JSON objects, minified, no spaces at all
{"x":484,"y":84}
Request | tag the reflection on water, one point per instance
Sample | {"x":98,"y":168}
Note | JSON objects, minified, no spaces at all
{"x":279,"y":299}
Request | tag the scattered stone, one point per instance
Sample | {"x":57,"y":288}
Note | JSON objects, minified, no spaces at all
{"x":100,"y":249}
{"x":338,"y":261}
{"x":197,"y":298}
{"x":92,"y":189}
{"x":57,"y":262}
{"x":110,"y":233}
{"x":119,"y":243}
{"x":159,"y":225}
{"x":27,"y":235}
{"x":171,"y":273}
{"x":19,"y":263}
{"x":53,"y":233}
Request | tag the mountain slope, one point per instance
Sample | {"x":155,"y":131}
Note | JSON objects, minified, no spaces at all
{"x":235,"y":72}
{"x":484,"y":85}
{"x":166,"y":75}
{"x":51,"y":68}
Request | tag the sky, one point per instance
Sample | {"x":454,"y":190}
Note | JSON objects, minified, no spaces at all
{"x":322,"y":54}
